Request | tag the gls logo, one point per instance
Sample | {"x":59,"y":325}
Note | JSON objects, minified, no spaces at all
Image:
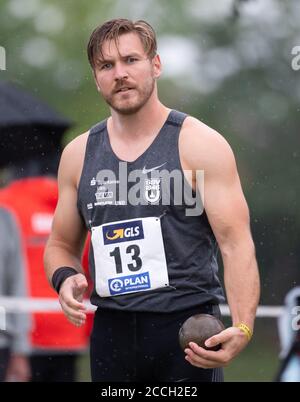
{"x":296,"y":320}
{"x":120,"y":232}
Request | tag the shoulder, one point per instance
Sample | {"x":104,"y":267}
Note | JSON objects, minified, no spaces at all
{"x":77,"y":145}
{"x":72,"y":158}
{"x":202,"y":147}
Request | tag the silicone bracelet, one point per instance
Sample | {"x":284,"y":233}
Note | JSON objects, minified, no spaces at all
{"x":245,"y":329}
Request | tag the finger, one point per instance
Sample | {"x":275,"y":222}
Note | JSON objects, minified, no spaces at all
{"x":67,"y":295}
{"x":81,"y":281}
{"x":80,"y":286}
{"x":220,"y":338}
{"x":208,"y":355}
{"x":72,"y":291}
{"x":73,"y":303}
{"x":72,"y":312}
{"x":75,"y":315}
{"x":76,"y":319}
{"x":202,"y":363}
{"x":76,"y":322}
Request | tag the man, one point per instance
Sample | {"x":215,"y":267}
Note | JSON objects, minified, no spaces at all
{"x":153,"y":261}
{"x":14,"y":348}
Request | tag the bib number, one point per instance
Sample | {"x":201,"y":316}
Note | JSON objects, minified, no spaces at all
{"x":129,"y":257}
{"x":135,"y":257}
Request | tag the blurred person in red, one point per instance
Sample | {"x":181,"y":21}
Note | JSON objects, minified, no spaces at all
{"x":31,"y":196}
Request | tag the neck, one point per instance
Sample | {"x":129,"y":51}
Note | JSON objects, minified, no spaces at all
{"x":140,"y":124}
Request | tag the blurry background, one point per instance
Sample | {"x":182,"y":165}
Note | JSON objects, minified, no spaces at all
{"x":228,"y":63}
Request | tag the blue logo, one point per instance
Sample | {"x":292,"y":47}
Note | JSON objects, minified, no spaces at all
{"x":131,"y":283}
{"x":126,"y":231}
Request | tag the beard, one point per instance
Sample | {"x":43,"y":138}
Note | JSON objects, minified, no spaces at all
{"x":135,"y":101}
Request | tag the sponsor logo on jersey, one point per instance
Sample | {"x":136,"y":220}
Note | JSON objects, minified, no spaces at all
{"x":152,"y":190}
{"x":131,"y":283}
{"x":120,"y":232}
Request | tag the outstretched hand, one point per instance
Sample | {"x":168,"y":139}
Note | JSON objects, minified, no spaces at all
{"x":71,"y":296}
{"x":232,"y":340}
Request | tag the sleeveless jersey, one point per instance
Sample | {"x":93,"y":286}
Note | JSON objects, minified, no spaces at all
{"x":151,"y":250}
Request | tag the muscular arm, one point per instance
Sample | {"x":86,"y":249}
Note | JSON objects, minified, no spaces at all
{"x":204,"y":149}
{"x":228,"y":215}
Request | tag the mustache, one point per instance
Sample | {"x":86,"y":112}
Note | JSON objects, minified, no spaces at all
{"x":122,"y":84}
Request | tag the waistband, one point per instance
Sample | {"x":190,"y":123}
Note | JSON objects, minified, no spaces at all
{"x":207,"y":308}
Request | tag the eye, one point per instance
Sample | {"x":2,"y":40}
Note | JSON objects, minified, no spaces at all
{"x":131,"y":59}
{"x":106,"y":66}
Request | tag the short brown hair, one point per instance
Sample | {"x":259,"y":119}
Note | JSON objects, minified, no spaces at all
{"x":112,"y":29}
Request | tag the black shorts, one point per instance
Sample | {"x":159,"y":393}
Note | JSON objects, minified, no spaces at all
{"x":144,"y":347}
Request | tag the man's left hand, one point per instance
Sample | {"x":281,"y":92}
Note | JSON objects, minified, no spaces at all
{"x":232,"y":341}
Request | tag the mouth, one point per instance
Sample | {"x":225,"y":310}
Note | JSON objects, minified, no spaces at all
{"x":124,"y":89}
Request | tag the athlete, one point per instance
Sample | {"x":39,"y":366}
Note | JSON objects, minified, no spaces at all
{"x":160,"y":192}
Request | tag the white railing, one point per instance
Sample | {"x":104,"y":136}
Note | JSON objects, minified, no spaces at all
{"x":18,"y":305}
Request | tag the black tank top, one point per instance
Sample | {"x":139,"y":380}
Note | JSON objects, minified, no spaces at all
{"x":189,"y":243}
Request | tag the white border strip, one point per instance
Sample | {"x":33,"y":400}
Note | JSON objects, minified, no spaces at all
{"x":23,"y":305}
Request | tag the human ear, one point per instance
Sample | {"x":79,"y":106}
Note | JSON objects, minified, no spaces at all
{"x":157,"y":67}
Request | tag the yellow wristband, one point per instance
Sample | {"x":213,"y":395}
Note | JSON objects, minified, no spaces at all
{"x":243,"y":327}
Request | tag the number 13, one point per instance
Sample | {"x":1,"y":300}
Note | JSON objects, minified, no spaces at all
{"x":132,"y":249}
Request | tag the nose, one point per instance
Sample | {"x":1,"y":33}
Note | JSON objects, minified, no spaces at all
{"x":120,"y":71}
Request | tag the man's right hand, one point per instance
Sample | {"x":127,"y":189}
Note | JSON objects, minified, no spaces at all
{"x":71,"y":296}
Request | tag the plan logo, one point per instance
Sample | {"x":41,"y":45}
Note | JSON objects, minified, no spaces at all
{"x":131,"y":283}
